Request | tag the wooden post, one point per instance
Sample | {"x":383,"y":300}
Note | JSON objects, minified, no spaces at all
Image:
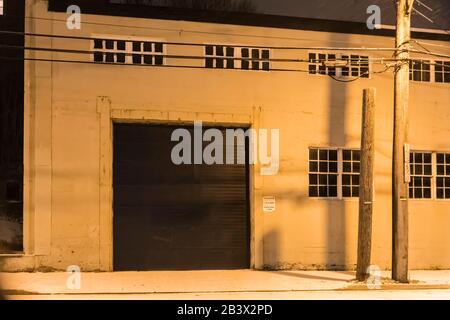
{"x":366,"y":184}
{"x":399,"y":181}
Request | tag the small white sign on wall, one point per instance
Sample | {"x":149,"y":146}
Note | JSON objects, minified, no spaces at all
{"x":269,"y":204}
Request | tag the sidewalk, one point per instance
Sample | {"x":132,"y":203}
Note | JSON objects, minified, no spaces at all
{"x":211,"y":282}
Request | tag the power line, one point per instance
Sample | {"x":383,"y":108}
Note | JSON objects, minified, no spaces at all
{"x":204,"y":44}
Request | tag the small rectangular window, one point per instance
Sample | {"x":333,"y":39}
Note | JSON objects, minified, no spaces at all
{"x":421,"y":175}
{"x":443,"y":175}
{"x":323,"y":173}
{"x":338,"y":65}
{"x":221,"y":57}
{"x":419,"y":70}
{"x":350,"y":175}
{"x":442,"y":71}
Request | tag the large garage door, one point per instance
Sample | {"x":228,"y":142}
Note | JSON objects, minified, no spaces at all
{"x":169,"y":217}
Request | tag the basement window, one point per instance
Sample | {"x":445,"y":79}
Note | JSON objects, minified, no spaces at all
{"x":442,"y":71}
{"x":421,"y":175}
{"x":443,"y":175}
{"x":419,"y":70}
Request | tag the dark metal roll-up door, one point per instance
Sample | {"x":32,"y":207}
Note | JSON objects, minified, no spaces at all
{"x":176,"y":217}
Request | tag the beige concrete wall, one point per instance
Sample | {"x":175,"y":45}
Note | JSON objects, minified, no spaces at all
{"x":70,"y":109}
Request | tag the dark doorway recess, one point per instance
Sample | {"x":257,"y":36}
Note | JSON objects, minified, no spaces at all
{"x":176,"y":217}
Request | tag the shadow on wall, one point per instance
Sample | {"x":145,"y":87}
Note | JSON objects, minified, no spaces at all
{"x":336,"y":216}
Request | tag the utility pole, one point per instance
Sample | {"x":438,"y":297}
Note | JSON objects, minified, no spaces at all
{"x":400,"y":171}
{"x":366,"y":185}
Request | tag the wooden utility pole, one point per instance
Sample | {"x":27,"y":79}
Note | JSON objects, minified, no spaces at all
{"x":366,"y":184}
{"x":400,"y":158}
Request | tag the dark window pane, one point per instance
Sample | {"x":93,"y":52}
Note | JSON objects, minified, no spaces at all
{"x":245,"y":53}
{"x":148,"y":59}
{"x":159,"y":47}
{"x":333,"y":155}
{"x":427,"y":193}
{"x":439,"y":77}
{"x":220,"y":51}
{"x":447,"y":158}
{"x":347,"y":166}
{"x":418,"y":169}
{"x":345,"y":72}
{"x":355,"y":180}
{"x":332,"y":180}
{"x":265,"y":54}
{"x":346,"y":179}
{"x":159,"y":60}
{"x":313,"y":154}
{"x":136,"y":46}
{"x":356,"y":167}
{"x":426,"y":182}
{"x":440,"y":182}
{"x":356,"y":155}
{"x":255,"y":53}
{"x":323,"y":191}
{"x":332,"y":191}
{"x":355,"y":192}
{"x":323,"y":154}
{"x":323,"y":166}
{"x":440,"y":193}
{"x":209,"y":62}
{"x":313,"y":179}
{"x":346,"y":192}
{"x":333,"y":167}
{"x":120,"y":57}
{"x":255,"y":65}
{"x":313,"y":166}
{"x":266,"y":66}
{"x":230,"y":64}
{"x":209,"y":50}
{"x":110,"y":57}
{"x":440,"y":157}
{"x":428,"y":170}
{"x":447,"y":182}
{"x":411,"y":193}
{"x":323,"y":179}
{"x":417,"y":181}
{"x":418,"y":157}
{"x":448,"y":170}
{"x":137,"y":59}
{"x":109,"y":44}
{"x":347,"y":155}
{"x":121,"y":45}
{"x":440,"y":169}
{"x":313,"y":192}
{"x":447,"y":193}
{"x":230,"y":52}
{"x":98,"y":44}
{"x":245,"y":64}
{"x":312,"y":57}
{"x":147,"y":46}
{"x":418,"y":193}
{"x":98,"y":57}
{"x":427,"y":158}
{"x":219,"y":63}
{"x":312,"y":69}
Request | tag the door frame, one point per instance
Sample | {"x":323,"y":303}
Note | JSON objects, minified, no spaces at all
{"x":109,"y":114}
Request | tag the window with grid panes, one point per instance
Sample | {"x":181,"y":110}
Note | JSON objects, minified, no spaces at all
{"x":323,"y":173}
{"x":421,"y":175}
{"x":357,"y":66}
{"x":350,"y":173}
{"x":316,"y":63}
{"x":442,"y":71}
{"x":443,"y":175}
{"x":419,"y":70}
